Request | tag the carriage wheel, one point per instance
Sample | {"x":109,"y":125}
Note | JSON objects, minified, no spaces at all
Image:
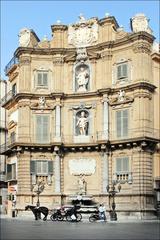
{"x":60,"y":217}
{"x":53,"y":217}
{"x":92,"y":219}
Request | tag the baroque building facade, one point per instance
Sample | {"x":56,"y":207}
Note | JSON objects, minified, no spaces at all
{"x":3,"y":137}
{"x":83,"y":111}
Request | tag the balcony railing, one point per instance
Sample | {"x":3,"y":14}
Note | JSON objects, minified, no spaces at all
{"x":135,"y":133}
{"x":14,"y":61}
{"x":71,"y":139}
{"x":7,"y":97}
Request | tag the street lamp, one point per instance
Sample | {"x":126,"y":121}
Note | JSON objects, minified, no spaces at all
{"x":112,"y":193}
{"x":38,"y":190}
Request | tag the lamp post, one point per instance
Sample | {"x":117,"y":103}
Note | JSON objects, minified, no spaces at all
{"x":39,"y":189}
{"x":112,"y":193}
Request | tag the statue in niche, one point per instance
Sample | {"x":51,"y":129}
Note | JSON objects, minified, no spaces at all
{"x":81,"y":185}
{"x":82,"y":79}
{"x":82,"y":124}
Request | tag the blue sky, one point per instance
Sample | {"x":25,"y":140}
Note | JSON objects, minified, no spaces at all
{"x":40,"y":15}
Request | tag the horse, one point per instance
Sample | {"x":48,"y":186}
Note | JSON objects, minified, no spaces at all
{"x":37,"y":210}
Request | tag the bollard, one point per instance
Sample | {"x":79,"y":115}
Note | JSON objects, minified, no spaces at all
{"x":13,"y":213}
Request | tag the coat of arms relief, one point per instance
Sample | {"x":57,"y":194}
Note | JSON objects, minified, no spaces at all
{"x":83,"y":33}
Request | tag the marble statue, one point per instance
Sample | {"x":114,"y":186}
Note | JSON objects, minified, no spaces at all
{"x":121,"y":96}
{"x":140,"y":23}
{"x":24,"y":37}
{"x":81,"y":185}
{"x":82,"y":79}
{"x":82,"y":124}
{"x":42,"y":102}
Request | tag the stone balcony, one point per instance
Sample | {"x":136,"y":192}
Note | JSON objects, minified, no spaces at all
{"x":134,"y":135}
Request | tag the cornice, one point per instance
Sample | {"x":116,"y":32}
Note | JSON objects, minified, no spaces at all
{"x":130,"y":38}
{"x":100,"y":92}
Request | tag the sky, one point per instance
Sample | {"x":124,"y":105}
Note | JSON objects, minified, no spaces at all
{"x":40,"y":15}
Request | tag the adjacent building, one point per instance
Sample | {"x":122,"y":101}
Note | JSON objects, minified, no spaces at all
{"x":3,"y":138}
{"x":83,"y":112}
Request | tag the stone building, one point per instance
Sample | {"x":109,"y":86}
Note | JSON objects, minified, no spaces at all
{"x":83,"y":111}
{"x":3,"y":137}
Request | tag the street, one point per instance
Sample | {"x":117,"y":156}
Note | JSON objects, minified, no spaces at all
{"x":31,"y":229}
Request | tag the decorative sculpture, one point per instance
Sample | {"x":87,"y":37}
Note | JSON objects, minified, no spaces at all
{"x":24,"y":37}
{"x":82,"y":124}
{"x":140,"y":23}
{"x":81,"y":185}
{"x":82,"y":79}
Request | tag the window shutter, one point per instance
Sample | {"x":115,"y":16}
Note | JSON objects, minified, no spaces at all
{"x":118,"y":164}
{"x":44,"y":167}
{"x":45,"y":79}
{"x":126,"y":164}
{"x":119,"y":121}
{"x":39,"y":79}
{"x":50,"y":167}
{"x":114,"y":74}
{"x":125,"y":123}
{"x":124,"y":70}
{"x":39,"y":128}
{"x":33,"y":167}
{"x":14,"y":171}
{"x":119,"y":71}
{"x":45,"y":128}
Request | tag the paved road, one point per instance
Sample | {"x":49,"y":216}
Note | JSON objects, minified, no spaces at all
{"x":17,"y":229}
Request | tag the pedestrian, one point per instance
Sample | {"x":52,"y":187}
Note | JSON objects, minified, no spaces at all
{"x":102,"y":210}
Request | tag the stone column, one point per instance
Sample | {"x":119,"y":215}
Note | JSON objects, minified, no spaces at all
{"x":57,"y":168}
{"x":105,"y":117}
{"x":105,"y":172}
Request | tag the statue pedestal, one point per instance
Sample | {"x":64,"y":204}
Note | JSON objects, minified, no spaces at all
{"x":80,"y":197}
{"x":81,"y":139}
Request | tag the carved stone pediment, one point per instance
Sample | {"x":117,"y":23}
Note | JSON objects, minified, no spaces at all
{"x":93,"y":54}
{"x":42,"y":105}
{"x":142,"y":47}
{"x":70,"y":57}
{"x":83,"y":33}
{"x":121,"y":99}
{"x":83,"y":106}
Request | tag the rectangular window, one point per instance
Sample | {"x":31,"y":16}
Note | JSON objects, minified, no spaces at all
{"x":42,"y":79}
{"x":42,"y":128}
{"x":14,"y":89}
{"x":122,"y":123}
{"x":41,"y":167}
{"x":122,"y":169}
{"x":122,"y":71}
{"x":11,"y":171}
{"x":122,"y":165}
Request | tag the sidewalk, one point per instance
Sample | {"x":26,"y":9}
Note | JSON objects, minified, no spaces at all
{"x":84,"y":220}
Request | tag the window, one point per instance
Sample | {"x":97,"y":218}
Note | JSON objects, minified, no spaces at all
{"x":14,"y":89}
{"x":122,"y":169}
{"x":42,"y":128}
{"x":122,"y":123}
{"x":42,"y":79}
{"x":11,"y":171}
{"x":41,"y":167}
{"x":122,"y":164}
{"x":122,"y":71}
